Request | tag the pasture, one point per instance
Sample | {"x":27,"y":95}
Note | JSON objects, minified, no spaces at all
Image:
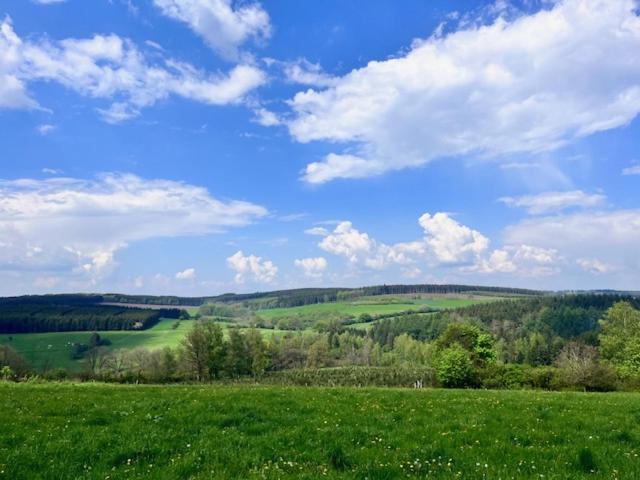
{"x":377,"y":305}
{"x":53,"y":350}
{"x":112,"y":431}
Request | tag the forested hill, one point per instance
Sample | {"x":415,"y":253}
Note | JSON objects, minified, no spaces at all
{"x":273,"y":299}
{"x":63,"y":313}
{"x":552,"y":317}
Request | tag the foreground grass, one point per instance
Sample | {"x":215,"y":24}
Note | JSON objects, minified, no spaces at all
{"x":103,"y":431}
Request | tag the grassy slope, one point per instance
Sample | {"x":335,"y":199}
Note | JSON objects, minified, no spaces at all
{"x":375,"y":305}
{"x":101,"y":431}
{"x":54,"y":348}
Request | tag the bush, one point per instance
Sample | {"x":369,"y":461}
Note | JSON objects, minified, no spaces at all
{"x":6,"y":373}
{"x":56,"y":374}
{"x":517,"y":376}
{"x":454,"y":367}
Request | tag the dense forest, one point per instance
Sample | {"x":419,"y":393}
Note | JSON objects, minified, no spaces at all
{"x":565,"y":316}
{"x":41,"y":317}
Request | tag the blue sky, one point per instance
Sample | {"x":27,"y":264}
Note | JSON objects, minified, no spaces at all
{"x":205,"y":146}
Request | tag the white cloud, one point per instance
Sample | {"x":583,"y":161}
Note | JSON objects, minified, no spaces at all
{"x":48,"y":2}
{"x":51,"y":171}
{"x":187,"y":274}
{"x":319,"y":231}
{"x":521,"y":260}
{"x":347,"y":242}
{"x":450,"y":241}
{"x":446,"y":243}
{"x":611,"y":237}
{"x":526,"y":85}
{"x":223,"y":24}
{"x":112,"y":68}
{"x":555,"y":201}
{"x":45,"y":129}
{"x":312,"y":267}
{"x":72,"y":225}
{"x":304,"y":72}
{"x":252,"y":268}
{"x":593,"y":265}
{"x":266,"y":118}
{"x":633,"y":170}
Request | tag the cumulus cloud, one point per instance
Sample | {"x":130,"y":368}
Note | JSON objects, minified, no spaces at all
{"x":312,"y":267}
{"x":73,"y":225}
{"x":446,"y":243}
{"x":609,"y":237}
{"x":450,"y":241}
{"x":186,"y":274}
{"x":224,"y":24}
{"x":522,"y":259}
{"x":347,"y":242}
{"x":112,"y":68}
{"x":555,"y":201}
{"x":252,"y":268}
{"x":529,"y":84}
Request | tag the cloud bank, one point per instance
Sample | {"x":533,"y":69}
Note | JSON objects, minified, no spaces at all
{"x":525,"y":85}
{"x":70,"y":225}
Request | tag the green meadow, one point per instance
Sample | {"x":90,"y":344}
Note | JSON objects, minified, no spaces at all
{"x":52,"y":350}
{"x":97,"y":431}
{"x":375,"y":306}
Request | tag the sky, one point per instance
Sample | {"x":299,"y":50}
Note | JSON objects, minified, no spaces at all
{"x":196,"y":147}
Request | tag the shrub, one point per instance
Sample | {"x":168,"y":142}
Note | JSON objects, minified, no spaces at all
{"x":56,"y":374}
{"x":6,"y":373}
{"x":454,"y":367}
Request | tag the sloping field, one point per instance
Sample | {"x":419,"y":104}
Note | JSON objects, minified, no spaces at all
{"x":117,"y":432}
{"x":376,"y":305}
{"x":52,"y":350}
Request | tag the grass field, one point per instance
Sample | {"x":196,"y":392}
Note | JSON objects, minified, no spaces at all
{"x":106,"y":431}
{"x":375,"y":305}
{"x":54,"y":349}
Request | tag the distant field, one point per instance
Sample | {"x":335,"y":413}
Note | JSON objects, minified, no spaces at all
{"x":376,"y":305}
{"x":54,"y":349}
{"x":95,"y":431}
